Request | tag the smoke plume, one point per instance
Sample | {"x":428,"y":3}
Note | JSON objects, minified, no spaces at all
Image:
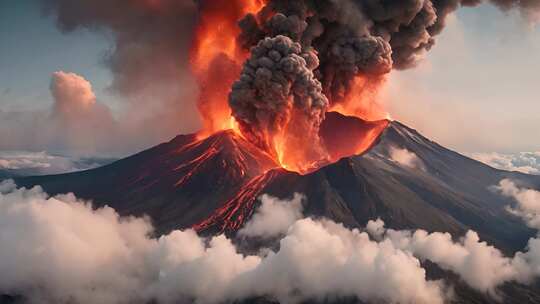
{"x":149,"y":58}
{"x":340,"y":41}
{"x":277,"y":86}
{"x":348,"y":39}
{"x":76,"y":122}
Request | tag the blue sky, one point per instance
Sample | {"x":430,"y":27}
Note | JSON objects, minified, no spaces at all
{"x":477,"y":90}
{"x":32,"y":48}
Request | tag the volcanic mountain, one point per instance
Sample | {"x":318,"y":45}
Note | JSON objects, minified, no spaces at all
{"x":212,"y":184}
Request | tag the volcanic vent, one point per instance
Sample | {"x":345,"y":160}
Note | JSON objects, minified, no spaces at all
{"x":282,"y":76}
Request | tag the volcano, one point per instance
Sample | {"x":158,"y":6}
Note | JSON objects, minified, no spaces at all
{"x":212,"y":184}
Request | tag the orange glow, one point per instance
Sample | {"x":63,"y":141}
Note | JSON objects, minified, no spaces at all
{"x":216,"y":59}
{"x":361,"y":100}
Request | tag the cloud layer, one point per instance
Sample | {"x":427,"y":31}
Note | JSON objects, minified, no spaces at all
{"x":61,"y":250}
{"x":38,"y":163}
{"x":524,"y":162}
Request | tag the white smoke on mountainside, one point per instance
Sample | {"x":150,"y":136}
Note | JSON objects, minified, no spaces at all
{"x":406,"y":158}
{"x":273,"y":217}
{"x":63,"y":251}
{"x":528,"y":202}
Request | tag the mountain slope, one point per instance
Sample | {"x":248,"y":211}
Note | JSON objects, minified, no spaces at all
{"x":213,"y":185}
{"x":177,"y":184}
{"x":445,"y":192}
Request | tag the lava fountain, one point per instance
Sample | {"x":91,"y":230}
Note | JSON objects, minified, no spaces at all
{"x":263,"y":73}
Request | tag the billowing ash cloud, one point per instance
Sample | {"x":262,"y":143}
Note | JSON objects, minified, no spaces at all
{"x":151,"y":37}
{"x":347,"y":38}
{"x":369,"y":38}
{"x":276,"y":86}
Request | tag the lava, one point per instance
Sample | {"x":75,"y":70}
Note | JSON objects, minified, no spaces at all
{"x":360,"y":100}
{"x":216,"y":58}
{"x":232,"y":215}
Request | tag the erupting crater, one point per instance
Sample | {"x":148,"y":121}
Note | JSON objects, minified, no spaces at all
{"x":341,"y":135}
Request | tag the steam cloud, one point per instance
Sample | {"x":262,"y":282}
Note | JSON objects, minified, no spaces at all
{"x":274,"y":217}
{"x":61,"y":250}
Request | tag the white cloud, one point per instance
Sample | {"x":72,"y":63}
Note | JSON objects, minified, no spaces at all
{"x":37,"y":163}
{"x":406,"y":158}
{"x":61,"y":250}
{"x":528,"y":202}
{"x":524,"y":162}
{"x":481,"y":266}
{"x":273,"y":217}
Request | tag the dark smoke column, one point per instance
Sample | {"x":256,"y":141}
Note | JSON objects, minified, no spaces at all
{"x":277,"y":93}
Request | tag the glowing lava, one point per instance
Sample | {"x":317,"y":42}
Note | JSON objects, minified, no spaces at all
{"x":361,"y":100}
{"x":216,"y":58}
{"x":216,"y":61}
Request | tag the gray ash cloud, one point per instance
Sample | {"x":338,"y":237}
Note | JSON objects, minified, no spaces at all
{"x":362,"y":37}
{"x":277,"y":83}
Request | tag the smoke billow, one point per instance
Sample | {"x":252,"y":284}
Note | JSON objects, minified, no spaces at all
{"x":63,"y":251}
{"x":340,"y":41}
{"x":149,"y":57}
{"x":276,"y":86}
{"x":350,"y":39}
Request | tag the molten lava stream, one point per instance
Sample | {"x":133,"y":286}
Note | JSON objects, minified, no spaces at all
{"x":232,"y":215}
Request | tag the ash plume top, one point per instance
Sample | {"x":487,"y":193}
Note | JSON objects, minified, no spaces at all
{"x":361,"y":37}
{"x":277,"y":82}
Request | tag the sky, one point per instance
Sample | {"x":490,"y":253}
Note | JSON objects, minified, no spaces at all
{"x":476,"y":91}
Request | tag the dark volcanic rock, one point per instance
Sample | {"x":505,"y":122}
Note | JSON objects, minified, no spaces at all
{"x":177,"y":184}
{"x":212,"y":184}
